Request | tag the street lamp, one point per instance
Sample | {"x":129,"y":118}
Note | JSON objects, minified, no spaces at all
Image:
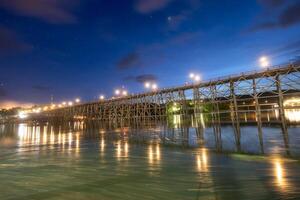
{"x":154,"y":86}
{"x":195,"y":77}
{"x":101,"y":97}
{"x":264,"y":61}
{"x":124,"y":93}
{"x":121,"y":92}
{"x":150,"y":85}
{"x":147,"y":85}
{"x":70,"y":103}
{"x":53,"y":106}
{"x":77,"y":100}
{"x":117,"y":92}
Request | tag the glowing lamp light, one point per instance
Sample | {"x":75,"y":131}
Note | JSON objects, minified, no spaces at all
{"x":117,"y":92}
{"x":124,"y":93}
{"x":64,"y":103}
{"x":101,"y":97}
{"x":22,"y":115}
{"x":70,"y":103}
{"x":264,"y":62}
{"x":77,"y":100}
{"x":154,"y":87}
{"x":197,"y":78}
{"x":192,"y":75}
{"x":147,"y":85}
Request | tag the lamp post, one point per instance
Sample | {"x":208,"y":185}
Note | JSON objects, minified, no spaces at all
{"x":264,"y":62}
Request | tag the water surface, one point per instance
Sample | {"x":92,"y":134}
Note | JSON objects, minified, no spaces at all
{"x":90,"y":161}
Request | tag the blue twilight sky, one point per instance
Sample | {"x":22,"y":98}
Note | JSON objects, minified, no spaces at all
{"x":83,"y":48}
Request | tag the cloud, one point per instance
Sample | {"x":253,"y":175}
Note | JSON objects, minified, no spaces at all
{"x":9,"y":42}
{"x":129,"y":61}
{"x":290,"y":16}
{"x":149,"y":6}
{"x":291,"y":50}
{"x":175,"y":21}
{"x":41,"y":88}
{"x":290,"y":46}
{"x":142,"y":78}
{"x":52,"y":11}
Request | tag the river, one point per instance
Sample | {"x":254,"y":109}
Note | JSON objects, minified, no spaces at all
{"x":90,"y":160}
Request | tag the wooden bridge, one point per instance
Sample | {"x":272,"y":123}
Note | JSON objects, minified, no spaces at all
{"x":252,"y":92}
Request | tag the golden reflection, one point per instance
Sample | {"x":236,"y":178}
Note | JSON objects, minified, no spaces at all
{"x":45,"y":138}
{"x":119,"y":149}
{"x":122,"y":149}
{"x":157,"y":152}
{"x":77,"y":149}
{"x":279,"y":173}
{"x":32,"y":133}
{"x":202,"y":161}
{"x":150,"y":154}
{"x":126,"y":149}
{"x":22,"y":134}
{"x":52,"y":136}
{"x":154,"y":154}
{"x":102,"y":144}
{"x":63,"y":141}
{"x":59,"y":138}
{"x":37,"y":135}
{"x":70,"y":140}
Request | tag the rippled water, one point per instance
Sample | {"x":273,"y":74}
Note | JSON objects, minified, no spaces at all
{"x":89,"y":161}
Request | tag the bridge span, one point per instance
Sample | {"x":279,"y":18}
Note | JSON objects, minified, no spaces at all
{"x":221,"y":99}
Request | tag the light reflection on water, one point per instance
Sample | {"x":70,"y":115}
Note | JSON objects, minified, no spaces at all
{"x":150,"y":162}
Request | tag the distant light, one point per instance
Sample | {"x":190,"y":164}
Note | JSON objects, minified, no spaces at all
{"x":197,"y":78}
{"x":59,"y":105}
{"x":147,"y":85}
{"x":117,"y":92}
{"x":264,"y":61}
{"x":64,"y":103}
{"x":154,"y":86}
{"x":22,"y":115}
{"x":124,"y":93}
{"x":102,"y":97}
{"x":77,"y":100}
{"x":45,"y":108}
{"x":70,"y":103}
